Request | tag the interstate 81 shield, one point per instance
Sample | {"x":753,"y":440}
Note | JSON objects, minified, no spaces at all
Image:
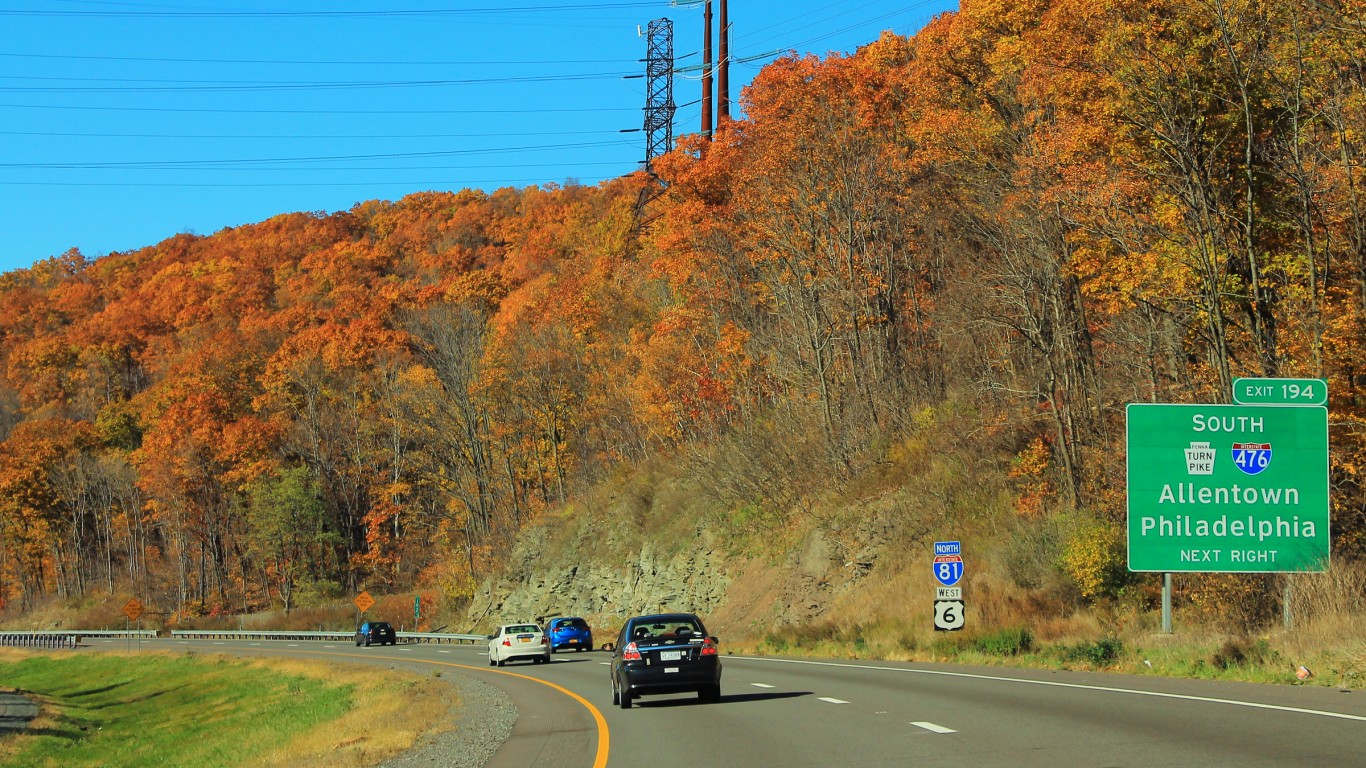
{"x":948,"y":569}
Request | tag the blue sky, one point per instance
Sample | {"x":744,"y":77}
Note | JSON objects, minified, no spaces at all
{"x":123,"y":123}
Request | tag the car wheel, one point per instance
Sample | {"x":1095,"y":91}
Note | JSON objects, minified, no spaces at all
{"x":367,"y":642}
{"x":616,"y":696}
{"x":492,"y":662}
{"x":546,"y":659}
{"x":501,"y":662}
{"x":625,"y":700}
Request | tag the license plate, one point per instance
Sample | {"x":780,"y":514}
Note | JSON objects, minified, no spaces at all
{"x":573,"y":640}
{"x":670,"y":656}
{"x":670,"y":669}
{"x":526,"y":638}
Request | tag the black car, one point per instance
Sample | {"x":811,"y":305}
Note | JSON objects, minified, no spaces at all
{"x":665,"y":653}
{"x":378,"y":632}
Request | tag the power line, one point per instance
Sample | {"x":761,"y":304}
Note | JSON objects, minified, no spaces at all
{"x":220,"y":86}
{"x":322,"y":111}
{"x":186,"y":164}
{"x":463,"y":183}
{"x":302,"y":136}
{"x":302,"y":62}
{"x":387,"y":13}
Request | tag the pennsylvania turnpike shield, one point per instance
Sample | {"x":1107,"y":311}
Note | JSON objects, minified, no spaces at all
{"x":1252,"y":458}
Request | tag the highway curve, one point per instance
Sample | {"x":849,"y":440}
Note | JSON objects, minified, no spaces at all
{"x":787,"y":713}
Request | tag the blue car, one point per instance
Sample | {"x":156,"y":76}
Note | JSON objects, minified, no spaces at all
{"x":569,"y":632}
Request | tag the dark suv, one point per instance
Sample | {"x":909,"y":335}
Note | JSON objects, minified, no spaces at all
{"x":379,"y":632}
{"x":665,"y":653}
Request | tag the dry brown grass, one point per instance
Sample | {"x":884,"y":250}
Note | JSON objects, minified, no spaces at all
{"x":398,"y":709}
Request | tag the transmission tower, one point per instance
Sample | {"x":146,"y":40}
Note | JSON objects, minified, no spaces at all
{"x":659,"y":89}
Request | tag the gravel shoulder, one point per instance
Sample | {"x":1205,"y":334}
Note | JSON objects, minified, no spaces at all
{"x":484,"y":721}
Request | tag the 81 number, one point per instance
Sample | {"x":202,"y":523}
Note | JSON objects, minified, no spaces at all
{"x":949,"y":573}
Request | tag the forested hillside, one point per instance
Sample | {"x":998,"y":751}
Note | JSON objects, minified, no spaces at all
{"x":1027,"y":215}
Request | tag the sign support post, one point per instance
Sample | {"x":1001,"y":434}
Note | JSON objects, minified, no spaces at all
{"x":1166,"y":603}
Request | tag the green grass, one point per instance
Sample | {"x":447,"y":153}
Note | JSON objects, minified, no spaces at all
{"x":184,"y":711}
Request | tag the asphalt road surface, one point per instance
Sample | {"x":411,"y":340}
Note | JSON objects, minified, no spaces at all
{"x":789,"y":713}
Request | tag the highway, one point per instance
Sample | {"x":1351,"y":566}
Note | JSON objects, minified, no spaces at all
{"x":789,"y":713}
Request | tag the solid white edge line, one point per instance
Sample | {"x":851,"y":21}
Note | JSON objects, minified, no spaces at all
{"x":1057,"y":684}
{"x":933,"y":727}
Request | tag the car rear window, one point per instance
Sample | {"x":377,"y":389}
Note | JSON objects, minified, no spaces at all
{"x":523,"y":628}
{"x":573,"y":624}
{"x":665,"y":630}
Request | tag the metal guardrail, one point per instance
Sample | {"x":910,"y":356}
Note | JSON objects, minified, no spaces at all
{"x":70,"y":638}
{"x":286,"y":634}
{"x":64,"y":638}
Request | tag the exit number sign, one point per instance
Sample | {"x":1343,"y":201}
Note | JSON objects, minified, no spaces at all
{"x":1280,"y":391}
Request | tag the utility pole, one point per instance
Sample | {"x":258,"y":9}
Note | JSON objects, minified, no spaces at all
{"x":659,"y":90}
{"x":723,"y":70}
{"x":706,"y":71}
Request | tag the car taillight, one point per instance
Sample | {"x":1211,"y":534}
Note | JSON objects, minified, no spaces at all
{"x":708,"y":648}
{"x":632,"y":653}
{"x":545,"y":640}
{"x":507,"y":643}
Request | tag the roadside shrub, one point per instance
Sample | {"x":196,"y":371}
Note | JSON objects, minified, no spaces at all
{"x":806,"y":636}
{"x":1243,"y":652}
{"x":1032,"y":552}
{"x":1005,"y":642}
{"x":948,"y":644}
{"x":1099,"y":653}
{"x":1238,"y":603}
{"x":1095,"y":559}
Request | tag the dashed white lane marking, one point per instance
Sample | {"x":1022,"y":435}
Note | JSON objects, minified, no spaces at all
{"x":933,"y":727}
{"x":220,"y":643}
{"x":443,"y":651}
{"x":184,"y":642}
{"x":605,"y":663}
{"x":403,"y":649}
{"x":329,"y":646}
{"x":255,"y":643}
{"x":832,"y":701}
{"x":761,"y":685}
{"x":293,"y":645}
{"x":1055,"y":683}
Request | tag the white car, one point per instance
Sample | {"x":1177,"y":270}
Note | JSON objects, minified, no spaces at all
{"x":518,"y":641}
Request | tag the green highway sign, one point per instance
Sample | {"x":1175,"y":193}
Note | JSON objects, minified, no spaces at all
{"x":1280,"y":391}
{"x":1227,"y":488}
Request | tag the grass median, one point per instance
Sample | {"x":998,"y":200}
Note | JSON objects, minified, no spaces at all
{"x":110,"y":710}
